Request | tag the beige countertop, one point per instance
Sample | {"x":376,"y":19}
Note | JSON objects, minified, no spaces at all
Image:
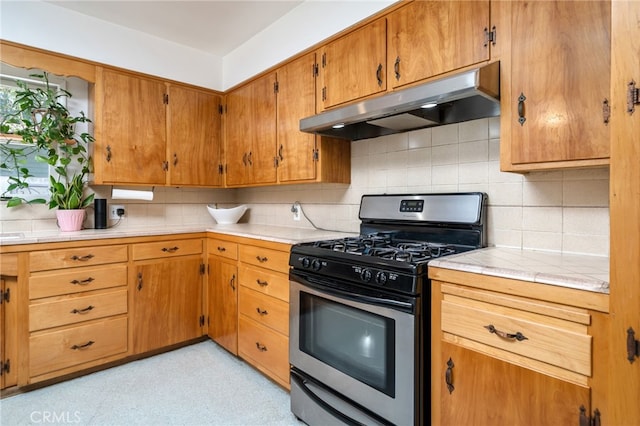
{"x":581,"y":272}
{"x":282,"y":234}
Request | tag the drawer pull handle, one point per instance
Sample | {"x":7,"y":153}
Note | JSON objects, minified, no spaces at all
{"x":262,"y":283}
{"x":261,"y":312}
{"x":84,"y":346}
{"x":82,"y":258}
{"x":232,"y":282}
{"x":261,"y":348}
{"x":82,"y":311}
{"x":262,"y":259}
{"x":170,"y":249}
{"x":82,"y":282}
{"x":448,"y":375}
{"x":518,"y":336}
{"x":221,"y":249}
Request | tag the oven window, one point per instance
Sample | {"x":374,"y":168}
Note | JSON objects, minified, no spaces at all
{"x":356,"y":342}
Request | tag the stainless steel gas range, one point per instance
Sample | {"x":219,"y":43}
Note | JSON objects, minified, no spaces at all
{"x":360,"y":320}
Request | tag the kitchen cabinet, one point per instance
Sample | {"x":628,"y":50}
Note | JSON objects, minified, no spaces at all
{"x":194,"y":137}
{"x":153,"y":133}
{"x":353,"y":66}
{"x":8,"y":321}
{"x":304,"y":157}
{"x":555,"y":58}
{"x":624,"y":367}
{"x":223,"y":293}
{"x":250,"y":133}
{"x":263,"y":321}
{"x":509,"y":352}
{"x":77,"y":309}
{"x":166,"y":287}
{"x":428,"y":38}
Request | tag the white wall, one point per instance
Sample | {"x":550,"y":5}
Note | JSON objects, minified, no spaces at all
{"x":62,"y":30}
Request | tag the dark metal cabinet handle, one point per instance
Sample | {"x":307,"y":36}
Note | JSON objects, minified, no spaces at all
{"x":448,"y":375}
{"x":108,"y":153}
{"x":83,"y":346}
{"x":82,"y":311}
{"x":517,"y":336}
{"x":396,"y":68}
{"x":521,"y":117}
{"x":379,"y":74}
{"x":232,"y":282}
{"x":262,"y":259}
{"x":86,"y":281}
{"x":244,"y":158}
{"x":262,"y":283}
{"x":280,"y":152}
{"x":170,"y":249}
{"x":633,"y":345}
{"x":175,"y":159}
{"x":82,"y":258}
{"x":261,"y":312}
{"x":250,"y":158}
{"x":261,"y":347}
{"x":221,"y":249}
{"x":140,"y":281}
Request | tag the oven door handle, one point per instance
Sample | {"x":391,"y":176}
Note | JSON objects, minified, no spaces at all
{"x":356,"y":297}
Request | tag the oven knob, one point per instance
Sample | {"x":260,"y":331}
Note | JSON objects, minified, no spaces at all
{"x":305,"y":262}
{"x":365,"y":275}
{"x":315,"y":265}
{"x":381,"y":278}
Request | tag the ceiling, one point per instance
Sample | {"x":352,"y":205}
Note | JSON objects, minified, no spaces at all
{"x":216,"y":27}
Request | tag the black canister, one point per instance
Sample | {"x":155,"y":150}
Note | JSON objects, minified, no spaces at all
{"x":100,"y":212}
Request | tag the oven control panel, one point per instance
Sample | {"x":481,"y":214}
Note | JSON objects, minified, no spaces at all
{"x":411,"y":206}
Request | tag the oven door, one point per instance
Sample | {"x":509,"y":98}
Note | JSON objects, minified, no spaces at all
{"x":358,"y":343}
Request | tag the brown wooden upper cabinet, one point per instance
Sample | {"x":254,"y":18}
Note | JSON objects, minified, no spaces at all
{"x":153,"y":133}
{"x":555,"y":84}
{"x":353,"y":66}
{"x":428,"y":38}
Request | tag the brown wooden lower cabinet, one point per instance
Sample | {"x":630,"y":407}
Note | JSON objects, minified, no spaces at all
{"x":500,"y":356}
{"x":223,"y":303}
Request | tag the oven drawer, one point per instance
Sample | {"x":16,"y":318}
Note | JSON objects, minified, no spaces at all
{"x":75,"y":257}
{"x":511,"y":326}
{"x":265,"y":281}
{"x":223,"y":248}
{"x":166,"y":249}
{"x":266,"y":310}
{"x":266,"y":258}
{"x":55,"y":350}
{"x":55,"y":283}
{"x":55,"y":312}
{"x":264,"y":348}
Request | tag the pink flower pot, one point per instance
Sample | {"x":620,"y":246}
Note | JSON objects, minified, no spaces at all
{"x":70,"y":220}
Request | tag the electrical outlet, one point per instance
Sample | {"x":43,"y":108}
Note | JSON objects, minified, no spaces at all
{"x":295,"y":209}
{"x":116,"y":211}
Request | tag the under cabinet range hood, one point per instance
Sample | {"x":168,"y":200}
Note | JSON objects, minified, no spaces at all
{"x":459,"y":97}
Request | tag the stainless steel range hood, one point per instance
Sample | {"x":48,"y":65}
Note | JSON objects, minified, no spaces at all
{"x":460,"y":97}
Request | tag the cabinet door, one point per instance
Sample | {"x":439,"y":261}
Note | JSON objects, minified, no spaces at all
{"x":250,"y":133}
{"x":194,"y":142}
{"x":167,"y":303}
{"x":296,"y":100}
{"x":8,"y":333}
{"x":427,"y":38}
{"x":223,"y":303}
{"x":486,"y":390}
{"x":560,"y":76}
{"x":130,"y":129}
{"x":353,"y":66}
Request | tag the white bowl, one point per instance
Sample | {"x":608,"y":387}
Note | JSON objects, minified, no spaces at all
{"x":225,"y":216}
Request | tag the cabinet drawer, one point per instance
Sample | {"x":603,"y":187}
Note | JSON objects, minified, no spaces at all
{"x":51,"y":351}
{"x":223,"y":248}
{"x":548,"y":339}
{"x":266,"y":310}
{"x":46,"y":284}
{"x":267,"y":258}
{"x":265,"y":281}
{"x":264,"y":347}
{"x":75,"y":257}
{"x":64,"y":310}
{"x":166,"y":249}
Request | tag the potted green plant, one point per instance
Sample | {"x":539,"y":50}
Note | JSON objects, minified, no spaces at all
{"x":41,"y":121}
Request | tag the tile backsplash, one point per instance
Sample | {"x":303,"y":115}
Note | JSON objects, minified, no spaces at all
{"x":563,"y":211}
